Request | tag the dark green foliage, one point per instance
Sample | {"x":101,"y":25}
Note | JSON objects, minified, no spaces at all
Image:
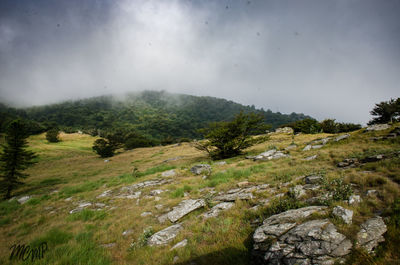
{"x":14,"y":158}
{"x":339,"y":189}
{"x":305,"y":126}
{"x":155,"y":115}
{"x":103,"y":148}
{"x":52,"y":135}
{"x":7,"y":115}
{"x":330,"y":126}
{"x":386,"y":111}
{"x":228,"y":139}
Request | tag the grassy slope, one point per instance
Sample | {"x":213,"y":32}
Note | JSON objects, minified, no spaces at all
{"x":72,"y":169}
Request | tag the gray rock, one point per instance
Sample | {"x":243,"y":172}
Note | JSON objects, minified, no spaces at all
{"x":80,"y":207}
{"x":199,"y":169}
{"x":184,"y":208}
{"x":288,"y":130}
{"x":377,"y":127}
{"x":172,"y":159}
{"x":372,"y":193}
{"x":130,"y":195}
{"x":371,"y":233}
{"x":144,"y":214}
{"x":298,"y":191}
{"x":342,"y":137}
{"x":145,"y":184}
{"x":156,"y":192}
{"x":68,"y":199}
{"x":169,"y":173}
{"x":313,"y":179}
{"x":291,"y":147}
{"x":270,"y":154}
{"x":233,"y":195}
{"x":309,"y":158}
{"x":317,"y":146}
{"x":127,"y":232}
{"x":345,"y":214}
{"x":214,"y":212}
{"x":323,"y":141}
{"x":313,"y":242}
{"x":354,"y":199}
{"x":164,"y":236}
{"x":24,"y":199}
{"x":307,"y":148}
{"x":106,"y":193}
{"x":221,"y":163}
{"x":181,"y":244}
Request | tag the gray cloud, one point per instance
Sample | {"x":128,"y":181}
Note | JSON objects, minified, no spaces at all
{"x":328,"y":59}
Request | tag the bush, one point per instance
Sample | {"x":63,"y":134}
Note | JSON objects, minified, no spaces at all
{"x":305,"y":126}
{"x":386,"y":111}
{"x":103,"y":148}
{"x":228,"y":139}
{"x":52,"y":135}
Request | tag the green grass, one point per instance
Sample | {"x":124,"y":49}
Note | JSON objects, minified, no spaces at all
{"x":87,"y":215}
{"x":7,"y":207}
{"x":89,"y":186}
{"x":156,"y":169}
{"x":235,"y":174}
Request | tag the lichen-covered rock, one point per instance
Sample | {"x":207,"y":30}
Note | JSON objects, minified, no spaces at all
{"x":298,"y":191}
{"x":214,"y":212}
{"x":354,"y":199}
{"x":371,"y":233}
{"x":313,"y":179}
{"x":235,"y":194}
{"x":313,"y":242}
{"x":345,"y":214}
{"x":201,"y":169}
{"x":164,"y":236}
{"x":183,"y":209}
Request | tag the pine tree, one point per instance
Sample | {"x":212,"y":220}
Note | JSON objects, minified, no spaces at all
{"x":14,"y":158}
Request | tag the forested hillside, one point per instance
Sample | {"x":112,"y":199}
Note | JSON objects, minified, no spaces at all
{"x":157,"y":115}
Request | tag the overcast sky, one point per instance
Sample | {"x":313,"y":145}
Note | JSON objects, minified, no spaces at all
{"x":327,"y":59}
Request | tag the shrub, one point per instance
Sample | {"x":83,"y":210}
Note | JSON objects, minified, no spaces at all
{"x":386,"y":111}
{"x":305,"y":126}
{"x":103,"y":148}
{"x":52,"y":135}
{"x":228,"y":139}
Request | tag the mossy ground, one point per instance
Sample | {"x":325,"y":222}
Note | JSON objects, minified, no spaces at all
{"x":70,"y":169}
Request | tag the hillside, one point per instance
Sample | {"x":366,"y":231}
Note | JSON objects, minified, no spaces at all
{"x":94,"y":211}
{"x":157,"y":115}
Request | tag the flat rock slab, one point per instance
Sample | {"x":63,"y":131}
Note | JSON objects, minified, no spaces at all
{"x":269,"y":155}
{"x":371,"y":233}
{"x":181,"y":244}
{"x":148,"y":183}
{"x":164,"y":236}
{"x":169,"y":173}
{"x":233,"y":196}
{"x":23,"y":199}
{"x":214,"y":212}
{"x":342,"y":137}
{"x":183,"y":208}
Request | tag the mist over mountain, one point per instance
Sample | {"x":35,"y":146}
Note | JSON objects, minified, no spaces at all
{"x":156,"y":114}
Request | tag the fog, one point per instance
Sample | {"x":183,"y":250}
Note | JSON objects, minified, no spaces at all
{"x":327,"y":59}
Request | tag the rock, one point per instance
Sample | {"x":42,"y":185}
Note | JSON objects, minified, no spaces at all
{"x":371,"y":233}
{"x":288,"y":130}
{"x":127,"y":232}
{"x":159,"y":207}
{"x":323,"y":141}
{"x":243,"y":184}
{"x":145,"y":184}
{"x":342,"y":137}
{"x":307,"y":148}
{"x":99,"y":205}
{"x":291,"y":147}
{"x":23,"y":199}
{"x":156,"y":192}
{"x":372,"y":193}
{"x":106,"y":161}
{"x":354,"y":199}
{"x":68,"y":199}
{"x":214,"y":212}
{"x":313,"y":242}
{"x":343,"y":213}
{"x":270,"y":154}
{"x":130,"y":195}
{"x":309,"y":158}
{"x":313,"y":179}
{"x":169,"y":173}
{"x":311,"y":187}
{"x":377,"y":127}
{"x":172,"y":159}
{"x":181,"y":244}
{"x":175,"y":260}
{"x":298,"y":191}
{"x":234,"y":195}
{"x":106,"y":193}
{"x":164,"y":236}
{"x":144,"y":214}
{"x":199,"y":169}
{"x":204,"y":177}
{"x":109,"y":245}
{"x":183,"y":208}
{"x":221,"y":163}
{"x":349,"y":162}
{"x":156,"y":198}
{"x":317,"y":146}
{"x":80,"y":207}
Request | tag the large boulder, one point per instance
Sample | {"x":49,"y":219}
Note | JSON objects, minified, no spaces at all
{"x":344,"y":214}
{"x":280,"y":240}
{"x":164,"y":236}
{"x":201,"y":169}
{"x":371,"y":233}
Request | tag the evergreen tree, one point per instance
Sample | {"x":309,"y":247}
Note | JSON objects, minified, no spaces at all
{"x":52,"y":135}
{"x":14,"y":158}
{"x":386,"y":111}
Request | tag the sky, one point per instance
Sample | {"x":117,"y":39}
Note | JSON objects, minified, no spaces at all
{"x":327,"y":59}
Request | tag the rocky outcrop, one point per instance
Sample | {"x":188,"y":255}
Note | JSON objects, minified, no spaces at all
{"x":354,"y":199}
{"x":169,"y":173}
{"x":288,"y":130}
{"x":270,"y":154}
{"x":280,"y":240}
{"x":182,"y":209}
{"x":377,"y":127}
{"x":344,"y":214}
{"x":201,"y":169}
{"x":233,"y":195}
{"x":371,"y":233}
{"x":164,"y":236}
{"x":313,"y":179}
{"x":214,"y":212}
{"x":145,"y":184}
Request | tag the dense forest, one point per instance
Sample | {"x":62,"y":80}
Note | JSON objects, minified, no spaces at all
{"x":154,"y":114}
